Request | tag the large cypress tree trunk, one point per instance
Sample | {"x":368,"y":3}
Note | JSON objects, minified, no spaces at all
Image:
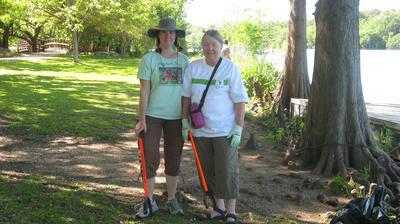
{"x":294,"y":81}
{"x":337,"y":133}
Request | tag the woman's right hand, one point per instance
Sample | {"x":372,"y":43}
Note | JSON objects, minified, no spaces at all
{"x":140,"y":126}
{"x":185,"y":129}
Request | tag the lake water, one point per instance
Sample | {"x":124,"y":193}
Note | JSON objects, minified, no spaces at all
{"x":380,"y":73}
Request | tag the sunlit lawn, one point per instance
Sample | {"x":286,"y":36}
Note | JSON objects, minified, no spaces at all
{"x":96,"y":98}
{"x":42,"y":199}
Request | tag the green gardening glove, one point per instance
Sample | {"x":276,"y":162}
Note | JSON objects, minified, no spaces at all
{"x":235,"y":135}
{"x":185,"y":129}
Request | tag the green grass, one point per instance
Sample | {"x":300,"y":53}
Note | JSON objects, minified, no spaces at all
{"x":34,"y":200}
{"x":46,"y":199}
{"x":87,"y":65}
{"x":41,"y":199}
{"x":96,"y":99}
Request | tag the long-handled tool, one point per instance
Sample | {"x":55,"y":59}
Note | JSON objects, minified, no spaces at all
{"x":147,"y":205}
{"x":201,"y":174}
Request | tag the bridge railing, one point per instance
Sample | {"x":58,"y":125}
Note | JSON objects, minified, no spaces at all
{"x":24,"y":46}
{"x":54,"y":43}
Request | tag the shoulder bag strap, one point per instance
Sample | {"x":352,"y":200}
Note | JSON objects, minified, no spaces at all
{"x":208,"y":84}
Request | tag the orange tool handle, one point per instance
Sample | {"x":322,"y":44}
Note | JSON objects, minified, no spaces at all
{"x":203,"y":180}
{"x":144,"y":174}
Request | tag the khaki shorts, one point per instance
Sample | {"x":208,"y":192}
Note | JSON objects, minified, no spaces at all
{"x":220,"y":165}
{"x":173,"y":144}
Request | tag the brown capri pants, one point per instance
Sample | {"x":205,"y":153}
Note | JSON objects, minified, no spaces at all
{"x":173,"y":144}
{"x":220,"y":165}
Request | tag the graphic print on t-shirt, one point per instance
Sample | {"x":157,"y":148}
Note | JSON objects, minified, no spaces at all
{"x":170,"y":75}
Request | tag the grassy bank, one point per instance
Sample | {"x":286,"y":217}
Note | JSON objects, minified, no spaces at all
{"x":96,"y":99}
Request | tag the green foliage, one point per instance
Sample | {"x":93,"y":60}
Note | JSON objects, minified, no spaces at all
{"x":277,"y":35}
{"x":276,"y":135}
{"x":193,"y":38}
{"x":351,"y":184}
{"x":290,"y":134}
{"x":393,"y":42}
{"x":255,"y":36}
{"x":311,"y":32}
{"x":250,"y":35}
{"x":372,"y":41}
{"x":339,"y":185}
{"x":366,"y":172}
{"x":294,"y":129}
{"x":262,"y":73}
{"x":385,"y":138}
{"x":379,"y":28}
{"x":115,"y":24}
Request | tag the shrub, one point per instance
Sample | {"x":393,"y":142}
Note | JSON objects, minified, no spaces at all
{"x":384,"y":137}
{"x":339,"y":185}
{"x":262,"y":73}
{"x":393,"y":42}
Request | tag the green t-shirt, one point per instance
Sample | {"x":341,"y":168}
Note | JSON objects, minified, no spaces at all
{"x":165,"y":76}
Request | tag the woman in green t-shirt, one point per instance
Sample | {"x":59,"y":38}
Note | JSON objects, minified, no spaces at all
{"x":160,"y":74}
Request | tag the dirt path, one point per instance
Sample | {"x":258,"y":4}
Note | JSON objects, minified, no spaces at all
{"x":267,"y":187}
{"x":35,"y":56}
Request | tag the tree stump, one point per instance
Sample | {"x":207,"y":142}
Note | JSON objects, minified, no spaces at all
{"x":251,"y":143}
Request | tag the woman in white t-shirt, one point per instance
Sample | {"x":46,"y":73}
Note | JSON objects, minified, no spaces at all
{"x":223,"y":112}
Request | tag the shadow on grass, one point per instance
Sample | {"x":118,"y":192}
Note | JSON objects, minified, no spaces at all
{"x":33,"y":200}
{"x":87,"y":64}
{"x":64,"y":106}
{"x":39,"y":199}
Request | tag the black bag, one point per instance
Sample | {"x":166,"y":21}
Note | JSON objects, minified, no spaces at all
{"x":376,"y":207}
{"x":351,"y":213}
{"x":372,"y":210}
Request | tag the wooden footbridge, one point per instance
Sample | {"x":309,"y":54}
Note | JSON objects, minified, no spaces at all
{"x":55,"y":43}
{"x":50,"y":43}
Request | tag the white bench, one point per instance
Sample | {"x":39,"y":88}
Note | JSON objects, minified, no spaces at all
{"x":298,"y":107}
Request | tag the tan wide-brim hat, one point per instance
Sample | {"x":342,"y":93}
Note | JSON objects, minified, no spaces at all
{"x":166,"y":24}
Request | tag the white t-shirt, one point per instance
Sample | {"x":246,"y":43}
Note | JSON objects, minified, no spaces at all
{"x":226,"y":89}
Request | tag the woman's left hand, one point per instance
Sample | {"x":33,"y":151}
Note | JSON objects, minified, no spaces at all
{"x":235,"y":135}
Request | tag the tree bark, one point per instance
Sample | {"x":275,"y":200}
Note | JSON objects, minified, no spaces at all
{"x":294,"y":81}
{"x":31,"y":38}
{"x":6,"y":36}
{"x":75,"y":45}
{"x":337,"y":133}
{"x":35,"y":39}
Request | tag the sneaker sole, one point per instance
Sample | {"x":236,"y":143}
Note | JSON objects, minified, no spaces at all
{"x":176,"y":213}
{"x":140,"y":218}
